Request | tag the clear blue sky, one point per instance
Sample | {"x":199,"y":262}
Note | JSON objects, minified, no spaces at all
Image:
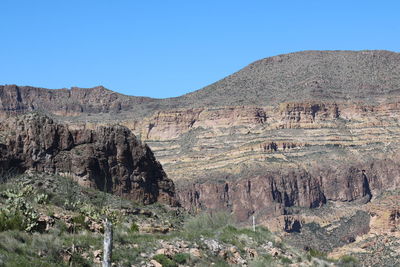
{"x":168,"y":48}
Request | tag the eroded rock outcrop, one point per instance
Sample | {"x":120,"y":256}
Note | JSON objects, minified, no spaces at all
{"x":274,"y":193}
{"x":65,"y":102}
{"x":107,"y":158}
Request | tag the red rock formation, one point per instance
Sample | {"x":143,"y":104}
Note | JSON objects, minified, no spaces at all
{"x":271,"y":194}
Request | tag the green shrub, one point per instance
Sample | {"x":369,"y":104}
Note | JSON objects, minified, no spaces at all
{"x":181,"y":258}
{"x":285,"y":260}
{"x":78,"y":260}
{"x":165,"y":261}
{"x":79,"y":222}
{"x":317,"y":254}
{"x":124,"y":254}
{"x":134,"y":228}
{"x":18,"y":213}
{"x":11,"y":221}
{"x":79,"y":219}
{"x":207,"y":223}
{"x":230,"y":234}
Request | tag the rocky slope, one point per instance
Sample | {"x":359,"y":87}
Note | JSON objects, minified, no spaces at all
{"x":309,"y":75}
{"x":107,"y":158}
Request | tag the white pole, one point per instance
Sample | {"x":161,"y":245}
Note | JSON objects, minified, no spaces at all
{"x":254,"y":224}
{"x":108,"y":235}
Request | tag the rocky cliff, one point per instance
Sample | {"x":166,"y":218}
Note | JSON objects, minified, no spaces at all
{"x":67,"y":102}
{"x":106,"y":158}
{"x":276,"y":192}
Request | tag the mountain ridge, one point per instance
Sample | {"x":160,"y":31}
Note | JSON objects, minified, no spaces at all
{"x":310,"y":75}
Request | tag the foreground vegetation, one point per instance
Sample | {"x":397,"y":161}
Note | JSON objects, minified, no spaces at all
{"x":51,"y":221}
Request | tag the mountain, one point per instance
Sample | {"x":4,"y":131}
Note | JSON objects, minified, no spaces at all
{"x":304,"y":141}
{"x":306,"y":76}
{"x":301,"y":76}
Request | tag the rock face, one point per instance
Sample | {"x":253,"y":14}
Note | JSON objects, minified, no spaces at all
{"x":263,"y":195}
{"x":274,"y":193}
{"x":64,"y":102}
{"x":107,"y":158}
{"x":295,"y":130}
{"x":266,"y":160}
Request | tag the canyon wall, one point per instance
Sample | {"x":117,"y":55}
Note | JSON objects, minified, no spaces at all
{"x":275,"y":193}
{"x":263,"y":160}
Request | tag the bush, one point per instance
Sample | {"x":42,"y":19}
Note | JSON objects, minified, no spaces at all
{"x":134,"y":228}
{"x":230,"y":234}
{"x":20,"y":216}
{"x":18,"y":213}
{"x":11,"y":221}
{"x":317,"y":254}
{"x":165,"y":261}
{"x":181,"y":258}
{"x":78,"y":260}
{"x":206,"y":224}
{"x":285,"y":260}
{"x":80,"y":223}
{"x":79,"y":219}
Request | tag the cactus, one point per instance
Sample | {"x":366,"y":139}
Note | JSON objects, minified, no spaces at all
{"x":17,"y":209}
